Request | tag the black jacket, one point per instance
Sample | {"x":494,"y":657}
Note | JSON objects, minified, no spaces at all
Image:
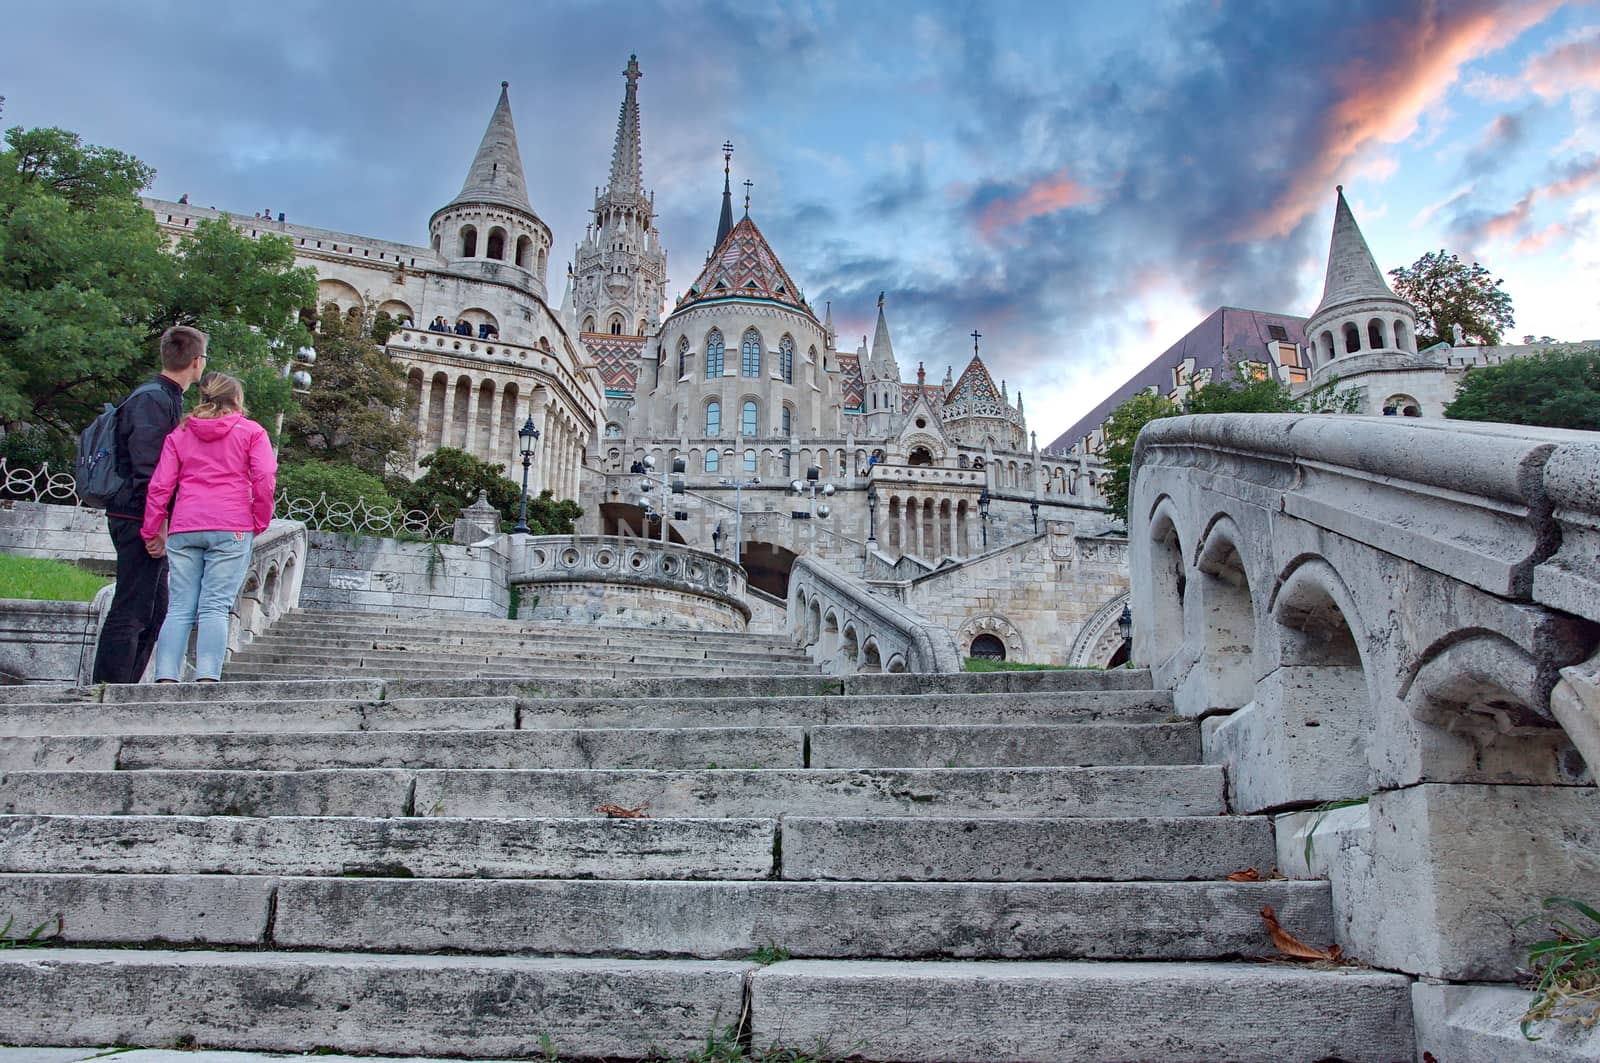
{"x":143,"y":424}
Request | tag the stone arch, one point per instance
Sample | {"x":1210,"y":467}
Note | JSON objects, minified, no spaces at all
{"x":896,"y":664}
{"x":871,"y":657}
{"x":1401,"y":406}
{"x":828,"y":645}
{"x":509,"y":414}
{"x":813,"y":615}
{"x":1352,"y":338}
{"x":1325,"y":346}
{"x":398,"y":311}
{"x":285,"y":586}
{"x":1159,"y":636}
{"x":524,"y":252}
{"x":1319,"y":694}
{"x":1228,"y":617}
{"x":588,"y":323}
{"x":543,"y":260}
{"x":477,"y":315}
{"x":1099,"y":643}
{"x":850,"y":648}
{"x":615,"y":324}
{"x":920,"y":455}
{"x":974,"y":633}
{"x":469,"y":241}
{"x":269,"y":593}
{"x":1403,"y":338}
{"x":342,"y":295}
{"x":495,"y":245}
{"x":1375,"y":332}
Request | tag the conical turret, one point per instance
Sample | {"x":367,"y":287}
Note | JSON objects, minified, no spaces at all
{"x":1359,"y":313}
{"x":1352,"y":274}
{"x":883,"y":363}
{"x":496,"y":172}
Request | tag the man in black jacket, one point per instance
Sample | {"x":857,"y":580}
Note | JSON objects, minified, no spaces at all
{"x":139,"y":604}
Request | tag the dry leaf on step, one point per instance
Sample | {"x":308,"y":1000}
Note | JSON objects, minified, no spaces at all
{"x":1249,"y":874}
{"x":1290,"y":945}
{"x":618,"y":812}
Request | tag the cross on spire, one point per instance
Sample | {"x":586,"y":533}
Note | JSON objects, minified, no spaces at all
{"x":976,"y":335}
{"x":727,"y":155}
{"x":748,"y":184}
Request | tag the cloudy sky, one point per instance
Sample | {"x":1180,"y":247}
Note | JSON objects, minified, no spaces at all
{"x":1081,"y":182}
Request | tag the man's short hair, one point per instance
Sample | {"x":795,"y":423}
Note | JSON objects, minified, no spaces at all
{"x":180,"y":346}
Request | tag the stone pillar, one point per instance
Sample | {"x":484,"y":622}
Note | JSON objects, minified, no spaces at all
{"x":470,"y":440}
{"x":535,"y":410}
{"x":494,"y":444}
{"x":424,"y":407}
{"x":447,"y":423}
{"x":950,"y":532}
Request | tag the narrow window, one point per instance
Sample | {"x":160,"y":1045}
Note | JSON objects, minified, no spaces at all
{"x":683,"y":355}
{"x":713,"y":419}
{"x":750,"y":364}
{"x":750,"y":461}
{"x":786,"y":359}
{"x":787,"y":421}
{"x":714,"y":355}
{"x":750,"y":424}
{"x":713,"y":460}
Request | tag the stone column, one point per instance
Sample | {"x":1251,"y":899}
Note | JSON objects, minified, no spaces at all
{"x":424,"y":406}
{"x":535,"y":410}
{"x":447,"y":423}
{"x":950,"y":532}
{"x":471,"y":439}
{"x":494,"y":444}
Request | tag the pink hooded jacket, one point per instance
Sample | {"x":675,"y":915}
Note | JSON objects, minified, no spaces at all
{"x":224,"y":474}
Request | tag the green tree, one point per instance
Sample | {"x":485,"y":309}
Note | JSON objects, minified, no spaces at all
{"x":339,"y":484}
{"x":87,"y":285}
{"x":453,"y":479}
{"x":1446,"y":292}
{"x":1555,"y":389}
{"x":1119,"y":433}
{"x":358,"y":410}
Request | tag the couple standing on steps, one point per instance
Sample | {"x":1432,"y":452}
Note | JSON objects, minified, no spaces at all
{"x":198,"y":490}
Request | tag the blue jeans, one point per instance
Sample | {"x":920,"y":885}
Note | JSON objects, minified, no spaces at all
{"x":204,"y":572}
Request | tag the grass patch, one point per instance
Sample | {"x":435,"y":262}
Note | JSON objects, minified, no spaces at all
{"x":1567,"y":968}
{"x":984,"y":664}
{"x":43,"y":580}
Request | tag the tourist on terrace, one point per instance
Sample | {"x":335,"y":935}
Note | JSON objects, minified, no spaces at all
{"x":463,"y":328}
{"x":215,"y":482}
{"x":438,"y":325}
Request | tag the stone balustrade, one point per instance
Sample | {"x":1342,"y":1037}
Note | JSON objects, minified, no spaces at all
{"x":1400,"y":611}
{"x":848,"y":629}
{"x":622,"y":579}
{"x":925,"y":475}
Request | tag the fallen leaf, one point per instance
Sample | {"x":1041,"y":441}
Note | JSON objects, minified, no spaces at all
{"x":1249,"y":874}
{"x":618,"y":812}
{"x":1290,"y":945}
{"x":1429,"y":1057}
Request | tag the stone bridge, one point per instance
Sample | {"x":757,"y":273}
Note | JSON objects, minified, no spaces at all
{"x":1401,"y":612}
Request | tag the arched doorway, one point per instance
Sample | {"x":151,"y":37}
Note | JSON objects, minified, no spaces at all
{"x":767,"y":567}
{"x":988,"y":648}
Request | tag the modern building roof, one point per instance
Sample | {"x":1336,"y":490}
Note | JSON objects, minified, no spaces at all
{"x":1353,"y":275}
{"x":495,"y":176}
{"x":1227,"y":336}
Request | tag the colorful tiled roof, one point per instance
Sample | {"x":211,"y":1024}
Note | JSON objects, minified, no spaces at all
{"x":851,"y":386}
{"x":975,"y":385}
{"x":618,"y":359}
{"x":744,"y":267}
{"x":908,"y":395}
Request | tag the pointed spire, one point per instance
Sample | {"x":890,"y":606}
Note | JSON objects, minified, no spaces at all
{"x":496,"y":172}
{"x":1352,"y":273}
{"x":1019,"y":400}
{"x":882,"y":349}
{"x":725,"y":223}
{"x":627,"y":172}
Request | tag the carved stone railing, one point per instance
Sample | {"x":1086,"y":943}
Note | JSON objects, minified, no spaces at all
{"x":848,"y":629}
{"x":1402,"y":611}
{"x":621,"y":579}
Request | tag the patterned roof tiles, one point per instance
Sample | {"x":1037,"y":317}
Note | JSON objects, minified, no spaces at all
{"x":744,"y":266}
{"x":851,"y":385}
{"x":975,"y":384}
{"x":618,"y":359}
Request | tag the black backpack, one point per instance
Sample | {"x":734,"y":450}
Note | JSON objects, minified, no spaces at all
{"x":94,"y":468}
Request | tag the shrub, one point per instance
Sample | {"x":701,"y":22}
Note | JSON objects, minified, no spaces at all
{"x":344,"y":484}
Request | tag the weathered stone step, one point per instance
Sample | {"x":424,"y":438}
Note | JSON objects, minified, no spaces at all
{"x":496,"y":1006}
{"x":848,"y":849}
{"x":662,"y":919}
{"x":300,"y":665}
{"x":529,"y":664}
{"x":573,"y":646}
{"x":1188,"y":790}
{"x":231,"y":708}
{"x":1078,"y":1012}
{"x":318,"y":619}
{"x":406,"y":847}
{"x":891,"y":746}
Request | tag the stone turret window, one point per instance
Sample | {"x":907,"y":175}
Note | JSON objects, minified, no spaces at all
{"x":524,"y":252}
{"x":496,"y":245}
{"x":714,"y":355}
{"x":1352,"y":339}
{"x":1375,"y":334}
{"x":469,"y":241}
{"x":713,"y":419}
{"x":750,"y":419}
{"x":750,"y":354}
{"x":786,"y":359}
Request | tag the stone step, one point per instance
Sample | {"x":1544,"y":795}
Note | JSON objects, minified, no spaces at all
{"x":405,"y":847}
{"x":527,"y":1007}
{"x":275,"y":652}
{"x":230,"y":708}
{"x":668,"y":919}
{"x":304,"y":619}
{"x":1077,"y":1012}
{"x":496,"y":1006}
{"x":892,"y":746}
{"x":848,"y":849}
{"x":569,"y":645}
{"x":307,"y":665}
{"x":1186,"y":790}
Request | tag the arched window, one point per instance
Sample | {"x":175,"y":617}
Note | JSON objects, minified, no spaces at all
{"x":750,"y":354}
{"x":713,"y":419}
{"x":1401,"y":406}
{"x":787,"y":425}
{"x":1375,"y":334}
{"x":436,"y":241}
{"x":714,"y":355}
{"x":524,"y":252}
{"x":683,"y":355}
{"x":613,"y":430}
{"x":588,"y":323}
{"x":1329,"y":350}
{"x":713,"y":460}
{"x":750,"y":421}
{"x":786,"y":360}
{"x":496,"y":246}
{"x":469,"y":241}
{"x":1352,"y":339}
{"x":1401,"y":340}
{"x":988,"y":647}
{"x":750,"y":461}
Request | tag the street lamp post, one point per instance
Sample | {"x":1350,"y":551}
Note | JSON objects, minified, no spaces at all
{"x":811,"y":487}
{"x":297,"y":370}
{"x":872,"y":515}
{"x":1125,"y":629}
{"x":983,"y":514}
{"x":1034,"y":507}
{"x":529,"y":435}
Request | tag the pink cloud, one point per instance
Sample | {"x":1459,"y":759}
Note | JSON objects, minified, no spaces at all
{"x":1383,"y":104}
{"x":1553,"y":233}
{"x":1567,"y":68}
{"x":1057,"y":191}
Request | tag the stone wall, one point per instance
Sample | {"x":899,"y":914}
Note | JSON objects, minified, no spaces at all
{"x":49,"y":642}
{"x":63,"y":532}
{"x":372,"y":575}
{"x":1038,"y":597}
{"x":848,"y":629}
{"x":1398,"y":610}
{"x":626,"y":580}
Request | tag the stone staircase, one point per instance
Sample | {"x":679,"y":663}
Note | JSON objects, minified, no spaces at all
{"x":303,"y":643}
{"x":1016,"y":866}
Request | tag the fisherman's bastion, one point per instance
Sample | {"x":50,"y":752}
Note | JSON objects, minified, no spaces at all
{"x":748,"y":767}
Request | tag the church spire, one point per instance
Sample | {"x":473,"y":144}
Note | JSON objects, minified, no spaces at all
{"x":882,"y":349}
{"x":627,"y":172}
{"x":1352,"y":274}
{"x":496,"y":172}
{"x":725,"y":223}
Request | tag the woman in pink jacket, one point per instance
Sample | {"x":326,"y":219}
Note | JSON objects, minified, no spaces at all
{"x":214,"y":483}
